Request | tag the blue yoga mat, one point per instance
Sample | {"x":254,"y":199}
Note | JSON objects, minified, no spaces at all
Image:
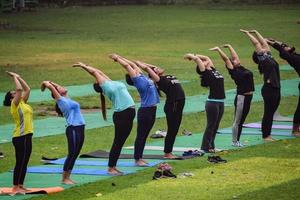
{"x":250,"y":131}
{"x":100,"y":163}
{"x":59,"y":170}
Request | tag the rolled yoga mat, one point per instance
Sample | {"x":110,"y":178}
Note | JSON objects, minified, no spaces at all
{"x":274,"y":126}
{"x":49,"y":190}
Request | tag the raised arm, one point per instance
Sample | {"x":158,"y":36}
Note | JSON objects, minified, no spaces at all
{"x":223,"y":56}
{"x":125,"y":64}
{"x":52,"y":87}
{"x":99,"y":75}
{"x":261,"y":39}
{"x":18,"y":88}
{"x":26,"y":89}
{"x":206,"y":60}
{"x":255,"y":42}
{"x":196,"y":59}
{"x":234,"y":56}
{"x":146,"y":67}
{"x":132,"y":64}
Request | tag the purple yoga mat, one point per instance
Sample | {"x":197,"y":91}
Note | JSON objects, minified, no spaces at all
{"x":257,"y":125}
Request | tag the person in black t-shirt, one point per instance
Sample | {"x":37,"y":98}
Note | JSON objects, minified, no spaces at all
{"x":214,"y":106}
{"x":175,"y":100}
{"x":289,"y":54}
{"x":270,"y":91}
{"x":243,"y":79}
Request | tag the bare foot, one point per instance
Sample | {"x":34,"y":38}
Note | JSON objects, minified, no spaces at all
{"x":296,"y":134}
{"x":269,"y":139}
{"x":141,"y":163}
{"x":114,"y":171}
{"x":170,"y":156}
{"x":68,"y":181}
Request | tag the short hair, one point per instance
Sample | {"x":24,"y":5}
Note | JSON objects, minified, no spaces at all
{"x":128,"y":79}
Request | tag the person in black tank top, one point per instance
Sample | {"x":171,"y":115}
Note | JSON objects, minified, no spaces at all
{"x":175,"y":100}
{"x":214,"y":106}
{"x":289,"y":54}
{"x":267,"y":66}
{"x":243,"y":79}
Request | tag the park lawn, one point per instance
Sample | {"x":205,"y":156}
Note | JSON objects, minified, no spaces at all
{"x":44,"y":45}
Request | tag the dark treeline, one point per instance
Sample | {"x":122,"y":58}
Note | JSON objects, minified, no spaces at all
{"x":160,"y":2}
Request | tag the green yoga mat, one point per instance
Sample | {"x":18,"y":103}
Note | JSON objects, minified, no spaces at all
{"x":56,"y":125}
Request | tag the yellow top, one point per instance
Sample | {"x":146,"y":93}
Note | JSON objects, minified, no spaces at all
{"x":22,"y":115}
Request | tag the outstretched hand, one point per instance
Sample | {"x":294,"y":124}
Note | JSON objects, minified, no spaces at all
{"x":13,"y":74}
{"x":244,"y":31}
{"x":214,"y":49}
{"x":140,"y":64}
{"x":114,"y":56}
{"x":226,"y":45}
{"x":44,"y":84}
{"x":79,"y":64}
{"x":189,"y":56}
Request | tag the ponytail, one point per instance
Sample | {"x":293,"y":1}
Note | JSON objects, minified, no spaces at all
{"x":58,"y":111}
{"x":98,"y":89}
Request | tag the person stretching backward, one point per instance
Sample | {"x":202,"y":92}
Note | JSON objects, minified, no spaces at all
{"x":70,"y":110}
{"x":124,"y":111}
{"x":270,"y":91}
{"x":243,"y":79}
{"x":22,"y":134}
{"x":214,"y":106}
{"x":289,"y":54}
{"x":147,"y":111}
{"x":175,"y":100}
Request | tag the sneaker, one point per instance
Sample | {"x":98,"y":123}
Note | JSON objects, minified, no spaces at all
{"x":1,"y":155}
{"x":159,"y":134}
{"x":186,"y":132}
{"x":237,"y":144}
{"x":212,"y":159}
{"x":220,"y":160}
{"x":157,"y":175}
{"x":168,"y":174}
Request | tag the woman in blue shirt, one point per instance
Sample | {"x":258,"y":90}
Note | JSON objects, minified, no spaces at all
{"x":147,"y":111}
{"x":75,"y":125}
{"x":124,"y":111}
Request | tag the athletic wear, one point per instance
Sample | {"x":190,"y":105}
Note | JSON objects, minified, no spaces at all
{"x":214,"y":106}
{"x":75,"y":137}
{"x":271,"y":97}
{"x":123,"y":121}
{"x":215,"y":81}
{"x":145,"y":121}
{"x":22,"y":115}
{"x":270,"y":69}
{"x":71,"y":111}
{"x":173,"y":112}
{"x":242,"y":106}
{"x":294,"y":60}
{"x":243,"y":79}
{"x":118,"y":94}
{"x":147,"y":90}
{"x":23,"y":147}
{"x":171,"y":87}
{"x":214,"y":113}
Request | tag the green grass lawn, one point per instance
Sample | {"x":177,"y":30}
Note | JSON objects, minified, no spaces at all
{"x":43,"y":46}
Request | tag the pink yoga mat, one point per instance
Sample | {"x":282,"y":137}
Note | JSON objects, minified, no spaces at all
{"x":257,"y":125}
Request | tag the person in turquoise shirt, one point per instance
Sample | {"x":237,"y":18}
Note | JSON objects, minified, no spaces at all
{"x":124,"y":111}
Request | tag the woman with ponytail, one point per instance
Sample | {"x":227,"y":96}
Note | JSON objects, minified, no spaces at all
{"x":124,"y":111}
{"x":22,"y":134}
{"x":147,"y":112}
{"x":70,"y":110}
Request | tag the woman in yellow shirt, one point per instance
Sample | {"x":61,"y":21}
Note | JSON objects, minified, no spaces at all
{"x":22,"y":134}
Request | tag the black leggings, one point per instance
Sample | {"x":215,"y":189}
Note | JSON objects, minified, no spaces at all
{"x":146,"y":119}
{"x":174,"y":115}
{"x":296,"y":119}
{"x":271,"y":98}
{"x":75,"y":137}
{"x":123,"y":124}
{"x":242,"y":105}
{"x":23,"y":147}
{"x":214,"y":113}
